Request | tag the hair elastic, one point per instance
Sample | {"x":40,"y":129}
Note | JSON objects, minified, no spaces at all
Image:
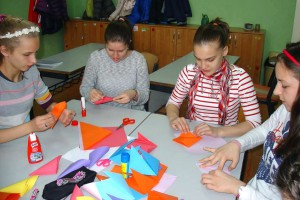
{"x":24,"y":31}
{"x":291,"y":57}
{"x":2,"y":17}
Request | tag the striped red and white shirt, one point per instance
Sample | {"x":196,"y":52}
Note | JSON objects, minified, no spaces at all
{"x":206,"y":102}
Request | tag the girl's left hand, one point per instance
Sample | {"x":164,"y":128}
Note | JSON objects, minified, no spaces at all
{"x":219,"y":181}
{"x":66,"y":117}
{"x":204,"y":129}
{"x":125,"y":97}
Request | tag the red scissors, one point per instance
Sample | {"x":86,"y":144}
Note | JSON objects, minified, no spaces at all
{"x":103,"y":162}
{"x":126,"y":121}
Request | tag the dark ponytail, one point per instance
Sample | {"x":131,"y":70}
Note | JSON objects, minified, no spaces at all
{"x":119,"y":30}
{"x":216,"y":30}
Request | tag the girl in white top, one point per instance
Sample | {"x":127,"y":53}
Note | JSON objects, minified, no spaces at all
{"x":215,"y":89}
{"x":278,"y":134}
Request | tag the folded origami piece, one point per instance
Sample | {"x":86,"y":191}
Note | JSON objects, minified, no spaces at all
{"x":187,"y":139}
{"x":105,"y":99}
{"x":58,"y":109}
{"x":116,"y":186}
{"x":115,"y":139}
{"x":49,"y":168}
{"x":140,"y":161}
{"x":154,"y":195}
{"x":140,"y":182}
{"x":144,"y":143}
{"x":90,"y":135}
{"x":21,"y":187}
{"x":94,"y":156}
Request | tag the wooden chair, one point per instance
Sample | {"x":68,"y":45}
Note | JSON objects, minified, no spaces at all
{"x":152,"y":63}
{"x":265,"y":93}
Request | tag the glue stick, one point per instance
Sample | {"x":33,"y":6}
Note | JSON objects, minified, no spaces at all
{"x":34,"y":149}
{"x":83,"y":108}
{"x":125,"y":157}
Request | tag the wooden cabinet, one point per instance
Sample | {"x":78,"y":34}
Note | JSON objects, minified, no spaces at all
{"x":248,"y":45}
{"x":79,"y":32}
{"x":170,"y":42}
{"x":167,"y":42}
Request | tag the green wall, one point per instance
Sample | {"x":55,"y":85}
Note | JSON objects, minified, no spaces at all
{"x":275,"y":16}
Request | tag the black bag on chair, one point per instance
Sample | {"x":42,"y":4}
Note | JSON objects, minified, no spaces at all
{"x":64,"y":186}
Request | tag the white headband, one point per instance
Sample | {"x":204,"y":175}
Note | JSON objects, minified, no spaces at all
{"x":24,"y":31}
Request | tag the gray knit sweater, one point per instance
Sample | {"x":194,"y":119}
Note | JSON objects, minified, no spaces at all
{"x":112,"y":79}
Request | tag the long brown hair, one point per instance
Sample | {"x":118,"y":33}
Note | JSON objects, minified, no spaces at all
{"x":292,"y":141}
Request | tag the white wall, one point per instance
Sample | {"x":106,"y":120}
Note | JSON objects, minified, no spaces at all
{"x":296,"y":29}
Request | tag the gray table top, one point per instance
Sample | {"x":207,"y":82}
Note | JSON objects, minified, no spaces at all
{"x":57,"y":141}
{"x":72,"y":60}
{"x":180,"y":161}
{"x":168,"y":75}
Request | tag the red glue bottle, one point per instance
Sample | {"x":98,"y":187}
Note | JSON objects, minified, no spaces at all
{"x":34,"y":149}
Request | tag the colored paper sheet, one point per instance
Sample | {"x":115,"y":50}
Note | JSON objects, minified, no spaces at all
{"x":140,"y":161}
{"x":213,"y":167}
{"x":187,"y":139}
{"x":92,"y":189}
{"x":85,"y":198}
{"x":49,"y":168}
{"x":115,"y":139}
{"x":144,"y":143}
{"x":140,"y":182}
{"x":154,"y":195}
{"x":115,"y":185}
{"x":116,"y":157}
{"x":101,"y":178}
{"x":76,"y":193}
{"x":207,"y":141}
{"x":75,"y":154}
{"x":9,"y":196}
{"x":105,"y":99}
{"x":21,"y":187}
{"x":91,"y":135}
{"x":94,"y":156}
{"x":57,"y":110}
{"x":165,"y":183}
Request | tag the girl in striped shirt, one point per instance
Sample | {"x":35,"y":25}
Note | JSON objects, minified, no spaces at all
{"x":20,"y":82}
{"x":215,"y":89}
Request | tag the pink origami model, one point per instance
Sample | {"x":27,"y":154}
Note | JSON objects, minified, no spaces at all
{"x":49,"y":168}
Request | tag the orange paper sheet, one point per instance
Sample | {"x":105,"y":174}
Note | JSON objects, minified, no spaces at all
{"x":58,"y":109}
{"x":9,"y":196}
{"x":154,"y":195}
{"x":187,"y":139}
{"x":140,"y":182}
{"x":91,"y":135}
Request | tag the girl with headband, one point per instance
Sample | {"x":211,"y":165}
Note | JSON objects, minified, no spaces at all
{"x":20,"y":82}
{"x":280,"y":135}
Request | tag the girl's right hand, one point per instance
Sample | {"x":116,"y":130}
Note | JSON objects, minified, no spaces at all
{"x":95,"y":95}
{"x":43,"y":122}
{"x":229,"y":151}
{"x":180,"y":123}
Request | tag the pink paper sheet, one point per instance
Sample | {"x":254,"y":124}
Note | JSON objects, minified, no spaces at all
{"x":207,"y":141}
{"x":213,"y":167}
{"x":115,"y":139}
{"x":104,"y":100}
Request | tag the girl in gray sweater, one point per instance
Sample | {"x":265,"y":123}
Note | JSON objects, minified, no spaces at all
{"x":117,"y":71}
